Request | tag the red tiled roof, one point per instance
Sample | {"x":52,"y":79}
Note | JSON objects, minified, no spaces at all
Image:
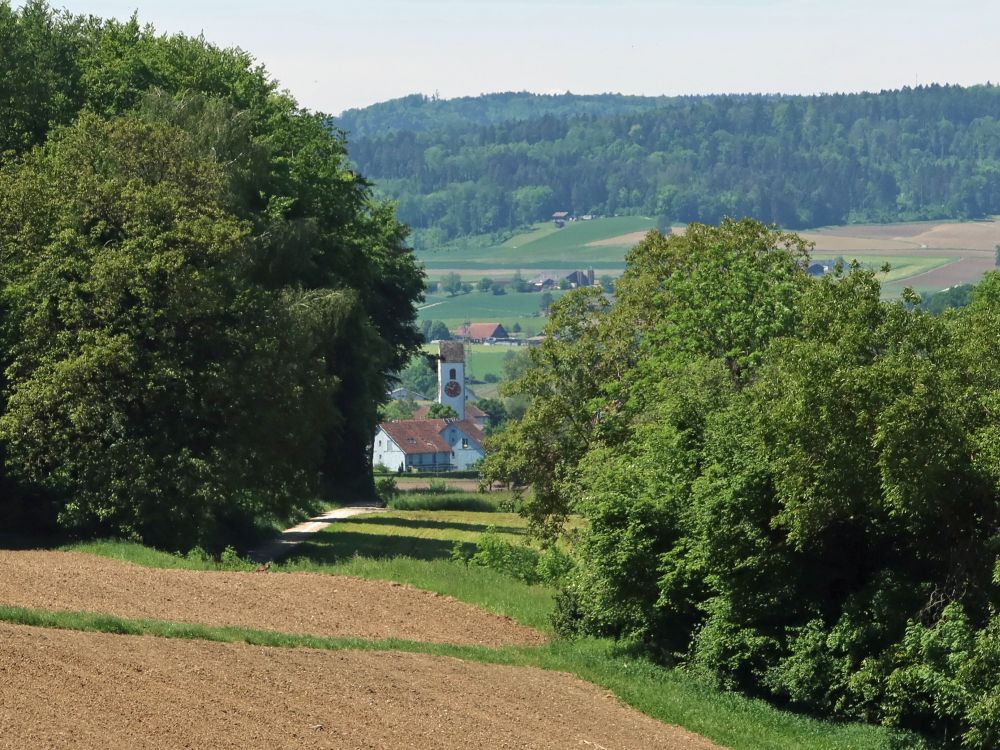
{"x":482,"y":331}
{"x":418,"y":435}
{"x":470,"y":428}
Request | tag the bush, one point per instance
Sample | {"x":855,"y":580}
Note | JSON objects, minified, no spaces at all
{"x":386,"y":489}
{"x":553,"y":566}
{"x":500,"y":555}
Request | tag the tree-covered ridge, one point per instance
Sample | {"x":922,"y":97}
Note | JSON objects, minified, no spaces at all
{"x":798,"y":161}
{"x":202,"y":303}
{"x":419,"y":113}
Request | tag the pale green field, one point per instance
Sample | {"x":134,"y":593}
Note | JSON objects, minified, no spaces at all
{"x":547,"y":247}
{"x":482,"y":359}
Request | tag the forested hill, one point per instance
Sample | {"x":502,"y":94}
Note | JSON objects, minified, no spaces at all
{"x":491,"y":163}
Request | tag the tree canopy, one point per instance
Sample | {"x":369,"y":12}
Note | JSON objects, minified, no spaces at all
{"x":789,"y":484}
{"x":203,"y":304}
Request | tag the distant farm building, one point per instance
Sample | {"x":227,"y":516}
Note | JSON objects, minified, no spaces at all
{"x":819,"y":268}
{"x":477,"y":333}
{"x":559,"y":218}
{"x":551,"y":279}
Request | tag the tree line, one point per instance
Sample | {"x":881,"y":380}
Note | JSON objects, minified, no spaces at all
{"x":798,"y":161}
{"x":790,"y":485}
{"x":202,"y":304}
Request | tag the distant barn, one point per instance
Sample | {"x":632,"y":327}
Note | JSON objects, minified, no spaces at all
{"x":477,"y":333}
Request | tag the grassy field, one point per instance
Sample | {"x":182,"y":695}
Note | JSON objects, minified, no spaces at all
{"x":486,"y":307}
{"x":416,"y":548}
{"x":547,"y":247}
{"x":483,"y":359}
{"x":928,"y":256}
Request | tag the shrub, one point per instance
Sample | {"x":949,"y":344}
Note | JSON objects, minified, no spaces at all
{"x":386,"y":489}
{"x":515,"y":560}
{"x":553,"y":565}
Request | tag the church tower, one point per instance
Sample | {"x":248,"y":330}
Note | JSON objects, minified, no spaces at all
{"x":451,"y":376}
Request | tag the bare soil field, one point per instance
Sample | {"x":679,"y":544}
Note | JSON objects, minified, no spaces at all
{"x":967,"y":235}
{"x":622,"y":240}
{"x":64,"y":689}
{"x":300,"y":603}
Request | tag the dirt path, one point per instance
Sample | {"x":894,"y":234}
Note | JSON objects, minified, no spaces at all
{"x":306,"y":603}
{"x":288,"y":539}
{"x":63,"y":689}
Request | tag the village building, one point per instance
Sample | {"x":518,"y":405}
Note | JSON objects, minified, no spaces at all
{"x":575,"y":279}
{"x":421,"y":444}
{"x":478,"y":333}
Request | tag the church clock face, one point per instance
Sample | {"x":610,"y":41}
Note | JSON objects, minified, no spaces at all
{"x":452,"y":388}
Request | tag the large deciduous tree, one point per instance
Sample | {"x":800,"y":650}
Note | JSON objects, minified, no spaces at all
{"x":241,"y":280}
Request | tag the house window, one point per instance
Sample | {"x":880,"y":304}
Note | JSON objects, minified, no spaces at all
{"x":452,"y":374}
{"x":465,"y":442}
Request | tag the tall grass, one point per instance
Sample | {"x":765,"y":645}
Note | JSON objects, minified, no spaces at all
{"x":447,"y":500}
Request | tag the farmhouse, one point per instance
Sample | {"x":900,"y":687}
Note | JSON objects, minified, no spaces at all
{"x":427,"y":445}
{"x":422,"y":444}
{"x":575,"y":279}
{"x":476,"y":333}
{"x":559,"y":218}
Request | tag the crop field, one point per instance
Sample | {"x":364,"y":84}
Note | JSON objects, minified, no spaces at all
{"x":956,"y":252}
{"x":382,"y":632}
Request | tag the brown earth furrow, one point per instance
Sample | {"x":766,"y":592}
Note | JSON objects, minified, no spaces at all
{"x":63,"y":689}
{"x":302,"y":603}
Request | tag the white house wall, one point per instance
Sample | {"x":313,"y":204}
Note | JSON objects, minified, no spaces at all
{"x":463,"y":458}
{"x":387,"y":453}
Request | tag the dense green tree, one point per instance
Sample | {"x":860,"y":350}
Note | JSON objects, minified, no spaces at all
{"x":451,"y":283}
{"x":442,"y":411}
{"x":396,"y":410}
{"x":789,"y":484}
{"x":439,"y":331}
{"x":149,"y":381}
{"x":307,"y":256}
{"x":494,"y":409}
{"x":484,"y":284}
{"x":419,"y":376}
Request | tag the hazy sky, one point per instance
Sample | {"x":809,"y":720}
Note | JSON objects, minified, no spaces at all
{"x":336,"y":55}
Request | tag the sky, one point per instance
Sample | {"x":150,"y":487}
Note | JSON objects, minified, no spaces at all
{"x":337,"y":55}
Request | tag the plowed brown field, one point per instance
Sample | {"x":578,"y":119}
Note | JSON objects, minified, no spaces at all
{"x":305,"y":603}
{"x":62,"y":689}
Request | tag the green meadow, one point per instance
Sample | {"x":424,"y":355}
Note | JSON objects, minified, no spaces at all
{"x":545,"y":246}
{"x":523,"y":308}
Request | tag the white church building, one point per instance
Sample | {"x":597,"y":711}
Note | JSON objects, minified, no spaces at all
{"x":436,"y":444}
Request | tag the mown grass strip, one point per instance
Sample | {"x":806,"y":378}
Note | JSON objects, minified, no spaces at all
{"x":670,"y":696}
